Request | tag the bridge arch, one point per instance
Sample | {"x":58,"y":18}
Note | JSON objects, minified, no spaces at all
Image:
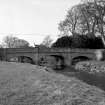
{"x":59,"y":61}
{"x":20,"y":58}
{"x":53,"y":61}
{"x":78,"y":59}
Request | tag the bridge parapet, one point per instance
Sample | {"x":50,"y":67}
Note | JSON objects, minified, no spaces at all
{"x":67,"y":50}
{"x":17,"y":50}
{"x":43,"y":50}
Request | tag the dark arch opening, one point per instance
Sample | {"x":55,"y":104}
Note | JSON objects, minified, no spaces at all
{"x":78,"y":59}
{"x":22,"y":59}
{"x":25,"y":59}
{"x":60,"y":64}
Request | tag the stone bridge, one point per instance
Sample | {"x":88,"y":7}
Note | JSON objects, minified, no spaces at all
{"x":47,"y":56}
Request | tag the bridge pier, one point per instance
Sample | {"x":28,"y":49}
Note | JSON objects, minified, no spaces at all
{"x":20,"y":59}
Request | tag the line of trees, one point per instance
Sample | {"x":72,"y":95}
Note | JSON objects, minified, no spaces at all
{"x":14,"y":42}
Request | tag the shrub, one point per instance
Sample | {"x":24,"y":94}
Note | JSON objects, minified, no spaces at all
{"x":92,"y":72}
{"x":91,"y":66}
{"x":79,"y":41}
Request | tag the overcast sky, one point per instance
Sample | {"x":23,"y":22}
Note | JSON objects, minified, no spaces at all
{"x":32,"y":20}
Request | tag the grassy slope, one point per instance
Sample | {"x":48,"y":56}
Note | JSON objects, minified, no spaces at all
{"x":26,"y":84}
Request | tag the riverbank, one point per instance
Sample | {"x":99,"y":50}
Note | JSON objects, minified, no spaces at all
{"x":26,"y":84}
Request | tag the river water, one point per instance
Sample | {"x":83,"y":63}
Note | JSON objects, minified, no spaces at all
{"x":91,"y":79}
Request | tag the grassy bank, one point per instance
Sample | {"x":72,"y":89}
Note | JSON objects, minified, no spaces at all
{"x":26,"y":84}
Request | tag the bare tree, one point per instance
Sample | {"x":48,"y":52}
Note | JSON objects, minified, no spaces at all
{"x":47,"y":41}
{"x":69,"y":25}
{"x":14,"y":42}
{"x":96,"y":10}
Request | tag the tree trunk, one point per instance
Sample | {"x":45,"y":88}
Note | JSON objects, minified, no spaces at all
{"x":103,"y":39}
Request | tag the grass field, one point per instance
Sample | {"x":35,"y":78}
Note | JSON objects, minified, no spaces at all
{"x":26,"y":84}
